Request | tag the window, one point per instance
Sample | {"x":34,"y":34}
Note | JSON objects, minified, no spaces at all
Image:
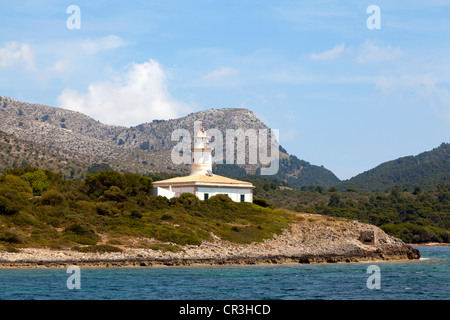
{"x":206,"y":196}
{"x":242,"y":197}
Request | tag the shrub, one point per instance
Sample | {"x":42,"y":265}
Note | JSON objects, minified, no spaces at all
{"x":261,"y":202}
{"x":178,"y":235}
{"x":158,"y":202}
{"x":220,"y":198}
{"x":79,"y":230}
{"x":166,"y":216}
{"x":136,"y":214}
{"x":52,"y":198}
{"x":18,"y":184}
{"x":245,"y":234}
{"x":7,"y":207}
{"x":10,"y":237}
{"x":114,"y":194}
{"x":11,"y":249}
{"x":79,"y":234}
{"x":103,"y":209}
{"x":189,"y":199}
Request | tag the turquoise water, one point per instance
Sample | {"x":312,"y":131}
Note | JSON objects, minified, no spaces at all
{"x":428,"y":278}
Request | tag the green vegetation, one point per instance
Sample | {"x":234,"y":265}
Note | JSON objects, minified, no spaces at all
{"x":414,"y":212}
{"x":427,"y":170}
{"x":292,"y":171}
{"x":413,"y":215}
{"x":40,"y":209}
{"x":299,"y":173}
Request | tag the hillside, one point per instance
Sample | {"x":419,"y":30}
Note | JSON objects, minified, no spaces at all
{"x":110,"y":219}
{"x":299,"y":173}
{"x":70,"y":133}
{"x":426,"y":170}
{"x":146,"y":149}
{"x":17,"y":153}
{"x":143,"y":149}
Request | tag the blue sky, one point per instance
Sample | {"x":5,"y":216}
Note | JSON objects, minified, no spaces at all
{"x":342,"y":95}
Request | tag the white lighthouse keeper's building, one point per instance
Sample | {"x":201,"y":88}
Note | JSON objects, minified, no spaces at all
{"x":201,"y":181}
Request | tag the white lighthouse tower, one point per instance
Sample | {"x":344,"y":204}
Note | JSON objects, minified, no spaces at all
{"x":201,"y":181}
{"x":201,"y":153}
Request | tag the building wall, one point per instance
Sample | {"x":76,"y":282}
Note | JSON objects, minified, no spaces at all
{"x":157,"y":191}
{"x":178,"y":191}
{"x":234,"y":194}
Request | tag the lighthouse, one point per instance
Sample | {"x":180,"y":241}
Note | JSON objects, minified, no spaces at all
{"x":201,"y":181}
{"x":201,"y":153}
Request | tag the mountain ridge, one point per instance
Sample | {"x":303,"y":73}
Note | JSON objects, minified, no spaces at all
{"x":144,"y":148}
{"x":425,"y":169}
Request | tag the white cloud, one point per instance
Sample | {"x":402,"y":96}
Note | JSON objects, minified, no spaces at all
{"x":219,"y":73}
{"x":419,"y":89}
{"x":369,"y":52}
{"x":74,"y":54}
{"x":64,"y":55}
{"x":93,"y":46}
{"x":140,"y":94}
{"x":329,"y":55}
{"x":60,"y":66}
{"x":13,"y":54}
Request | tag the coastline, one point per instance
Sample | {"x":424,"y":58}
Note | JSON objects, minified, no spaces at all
{"x":429,"y":244}
{"x":316,"y":239}
{"x":135,"y":263}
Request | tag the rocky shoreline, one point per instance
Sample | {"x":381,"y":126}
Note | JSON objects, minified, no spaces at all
{"x":315,"y":239}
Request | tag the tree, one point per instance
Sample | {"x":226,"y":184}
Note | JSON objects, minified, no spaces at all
{"x":16,"y":183}
{"x":114,"y":194}
{"x":417,"y":190}
{"x":130,"y":183}
{"x":38,"y":181}
{"x":334,"y":200}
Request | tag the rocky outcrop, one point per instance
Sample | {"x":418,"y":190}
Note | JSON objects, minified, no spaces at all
{"x":313,"y":239}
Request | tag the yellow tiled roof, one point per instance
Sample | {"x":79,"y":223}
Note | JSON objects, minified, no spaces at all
{"x":202,"y":179}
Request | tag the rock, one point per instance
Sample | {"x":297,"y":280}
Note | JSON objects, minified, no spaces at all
{"x":329,"y":242}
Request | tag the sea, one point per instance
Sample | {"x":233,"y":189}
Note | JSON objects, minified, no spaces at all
{"x":424,"y":279}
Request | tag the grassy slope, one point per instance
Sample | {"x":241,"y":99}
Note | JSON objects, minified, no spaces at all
{"x":417,"y":216}
{"x":65,"y":216}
